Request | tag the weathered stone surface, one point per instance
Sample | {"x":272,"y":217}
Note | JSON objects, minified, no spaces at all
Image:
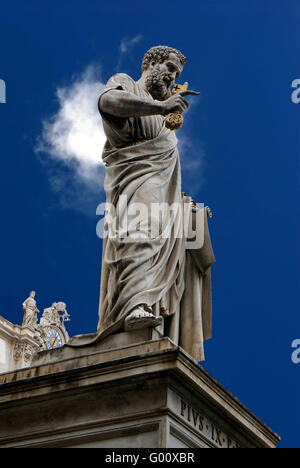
{"x":118,"y":340}
{"x":17,"y":345}
{"x":147,"y":394}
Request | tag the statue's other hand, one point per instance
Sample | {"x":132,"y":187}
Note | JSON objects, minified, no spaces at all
{"x":177,"y":103}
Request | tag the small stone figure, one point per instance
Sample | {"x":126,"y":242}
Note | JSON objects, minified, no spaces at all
{"x":62,"y":310}
{"x":48,"y":316}
{"x":60,"y":313}
{"x":30,"y":311}
{"x":55,"y":315}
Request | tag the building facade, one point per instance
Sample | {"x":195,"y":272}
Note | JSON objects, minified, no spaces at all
{"x":18,"y":343}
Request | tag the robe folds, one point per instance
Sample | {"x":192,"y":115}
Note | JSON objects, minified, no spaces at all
{"x":143,"y":169}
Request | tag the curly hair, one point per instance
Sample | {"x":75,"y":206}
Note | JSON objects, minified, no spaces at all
{"x":159,"y":54}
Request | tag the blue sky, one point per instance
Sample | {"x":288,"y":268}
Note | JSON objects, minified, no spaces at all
{"x":240,"y":155}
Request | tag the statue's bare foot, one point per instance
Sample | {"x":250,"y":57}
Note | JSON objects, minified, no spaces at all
{"x":139,"y":318}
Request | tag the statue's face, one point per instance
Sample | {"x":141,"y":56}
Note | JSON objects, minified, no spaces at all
{"x":161,"y":77}
{"x":32,"y":294}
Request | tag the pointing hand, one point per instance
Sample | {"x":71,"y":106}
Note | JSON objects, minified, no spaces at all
{"x":177,"y":102}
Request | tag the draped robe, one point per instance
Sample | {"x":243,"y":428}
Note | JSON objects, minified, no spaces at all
{"x":142,"y":163}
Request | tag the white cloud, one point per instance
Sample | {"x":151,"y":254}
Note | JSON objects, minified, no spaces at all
{"x":73,"y":138}
{"x":125,"y":48}
{"x":127,"y":43}
{"x":74,"y":135}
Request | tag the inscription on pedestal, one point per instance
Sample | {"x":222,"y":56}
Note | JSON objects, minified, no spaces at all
{"x":205,"y":427}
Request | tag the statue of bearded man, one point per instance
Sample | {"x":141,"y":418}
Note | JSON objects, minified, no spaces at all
{"x":146,"y":277}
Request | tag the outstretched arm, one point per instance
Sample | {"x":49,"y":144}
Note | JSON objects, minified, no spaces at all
{"x":123,"y":104}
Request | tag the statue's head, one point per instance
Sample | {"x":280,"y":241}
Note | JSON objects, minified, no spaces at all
{"x":161,"y":66}
{"x":59,"y":306}
{"x":32,"y":294}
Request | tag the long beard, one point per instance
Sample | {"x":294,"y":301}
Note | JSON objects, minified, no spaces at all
{"x":158,"y":85}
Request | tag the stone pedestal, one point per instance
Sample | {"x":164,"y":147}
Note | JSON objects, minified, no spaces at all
{"x":133,"y":390}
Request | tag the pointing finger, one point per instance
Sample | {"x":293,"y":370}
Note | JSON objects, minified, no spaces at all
{"x":189,"y":93}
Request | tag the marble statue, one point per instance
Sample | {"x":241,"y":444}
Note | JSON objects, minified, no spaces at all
{"x":147,"y":279}
{"x":30,"y":311}
{"x":55,"y":315}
